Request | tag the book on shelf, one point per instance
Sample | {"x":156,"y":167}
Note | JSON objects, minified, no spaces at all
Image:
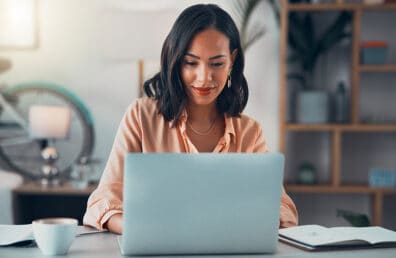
{"x":23,"y":234}
{"x":318,"y":238}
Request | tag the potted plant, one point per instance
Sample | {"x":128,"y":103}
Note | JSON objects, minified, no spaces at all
{"x":312,"y":104}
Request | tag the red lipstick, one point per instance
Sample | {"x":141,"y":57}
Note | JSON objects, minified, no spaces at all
{"x":203,"y":91}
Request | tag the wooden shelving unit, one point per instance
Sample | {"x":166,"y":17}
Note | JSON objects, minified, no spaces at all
{"x":336,"y":130}
{"x":339,"y":189}
{"x":377,"y":68}
{"x":341,"y":128}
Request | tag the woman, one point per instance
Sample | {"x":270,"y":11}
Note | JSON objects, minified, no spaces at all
{"x":194,"y":105}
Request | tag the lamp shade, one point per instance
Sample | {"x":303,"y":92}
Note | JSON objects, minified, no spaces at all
{"x":49,"y":122}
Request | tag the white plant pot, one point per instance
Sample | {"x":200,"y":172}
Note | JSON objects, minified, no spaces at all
{"x":312,"y":107}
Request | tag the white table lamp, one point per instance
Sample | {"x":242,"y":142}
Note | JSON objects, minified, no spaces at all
{"x":49,"y":123}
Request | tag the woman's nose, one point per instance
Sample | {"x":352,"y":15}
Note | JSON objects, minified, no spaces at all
{"x":204,"y":74}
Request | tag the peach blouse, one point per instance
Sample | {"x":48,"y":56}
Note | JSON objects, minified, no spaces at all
{"x":143,"y":129}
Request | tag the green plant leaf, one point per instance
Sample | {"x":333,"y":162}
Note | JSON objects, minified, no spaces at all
{"x":254,"y":34}
{"x":275,"y":5}
{"x":308,"y":31}
{"x":354,"y":218}
{"x":293,"y":58}
{"x":331,"y":36}
{"x":298,"y":77}
{"x":336,"y":40}
{"x":334,"y":34}
{"x":297,"y":39}
{"x":244,"y":10}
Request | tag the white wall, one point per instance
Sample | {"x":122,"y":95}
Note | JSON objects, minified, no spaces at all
{"x":86,"y":48}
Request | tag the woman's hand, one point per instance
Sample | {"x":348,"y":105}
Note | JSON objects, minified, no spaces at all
{"x":114,"y":224}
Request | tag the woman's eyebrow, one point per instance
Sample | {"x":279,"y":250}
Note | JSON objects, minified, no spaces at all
{"x":215,"y":57}
{"x":210,"y":58}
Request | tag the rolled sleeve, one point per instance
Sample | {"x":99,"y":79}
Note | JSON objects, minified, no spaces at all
{"x":288,"y":212}
{"x":107,"y":198}
{"x":260,"y":145}
{"x":103,"y":203}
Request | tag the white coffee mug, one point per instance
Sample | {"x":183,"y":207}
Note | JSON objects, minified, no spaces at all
{"x":54,"y":236}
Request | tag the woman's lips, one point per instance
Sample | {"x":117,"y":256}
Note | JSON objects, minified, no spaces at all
{"x":203,"y":91}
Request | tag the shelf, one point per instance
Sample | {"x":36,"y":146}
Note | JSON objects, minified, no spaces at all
{"x":321,"y":7}
{"x":380,"y":7}
{"x":313,"y":127}
{"x":338,"y":189}
{"x":341,"y":127}
{"x":33,"y":188}
{"x":340,"y":7}
{"x":377,"y":68}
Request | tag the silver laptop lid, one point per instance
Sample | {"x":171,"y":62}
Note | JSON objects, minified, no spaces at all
{"x":201,"y":203}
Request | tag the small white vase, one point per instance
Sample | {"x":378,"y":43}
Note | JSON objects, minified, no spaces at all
{"x":312,"y":107}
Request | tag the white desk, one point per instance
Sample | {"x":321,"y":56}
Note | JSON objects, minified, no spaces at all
{"x":105,"y":245}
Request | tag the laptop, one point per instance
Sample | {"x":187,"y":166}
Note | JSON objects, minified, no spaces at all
{"x":201,"y":203}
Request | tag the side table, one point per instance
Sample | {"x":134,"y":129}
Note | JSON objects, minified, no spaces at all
{"x":33,"y":201}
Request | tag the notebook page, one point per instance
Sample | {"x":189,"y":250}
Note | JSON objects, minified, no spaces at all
{"x":316,"y":235}
{"x":373,"y":235}
{"x":10,"y":234}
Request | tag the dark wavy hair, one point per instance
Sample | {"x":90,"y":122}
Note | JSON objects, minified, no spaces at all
{"x":167,"y":85}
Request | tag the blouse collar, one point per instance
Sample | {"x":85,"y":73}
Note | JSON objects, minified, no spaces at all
{"x":228,"y":132}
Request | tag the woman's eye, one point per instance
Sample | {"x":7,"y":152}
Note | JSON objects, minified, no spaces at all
{"x":217,"y":64}
{"x":190,"y":63}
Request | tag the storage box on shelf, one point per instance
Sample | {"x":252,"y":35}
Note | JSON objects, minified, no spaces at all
{"x":374,"y":52}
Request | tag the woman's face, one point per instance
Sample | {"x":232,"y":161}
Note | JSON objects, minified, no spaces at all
{"x":206,"y":66}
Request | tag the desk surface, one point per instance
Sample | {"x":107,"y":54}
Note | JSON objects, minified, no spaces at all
{"x":105,"y":245}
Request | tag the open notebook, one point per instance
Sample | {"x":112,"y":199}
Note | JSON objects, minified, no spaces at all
{"x":19,"y":234}
{"x":316,"y":238}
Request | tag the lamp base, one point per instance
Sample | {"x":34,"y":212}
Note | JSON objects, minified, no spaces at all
{"x":50,"y":172}
{"x":50,"y":182}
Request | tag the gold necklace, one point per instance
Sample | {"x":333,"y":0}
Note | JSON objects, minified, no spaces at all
{"x":204,"y":133}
